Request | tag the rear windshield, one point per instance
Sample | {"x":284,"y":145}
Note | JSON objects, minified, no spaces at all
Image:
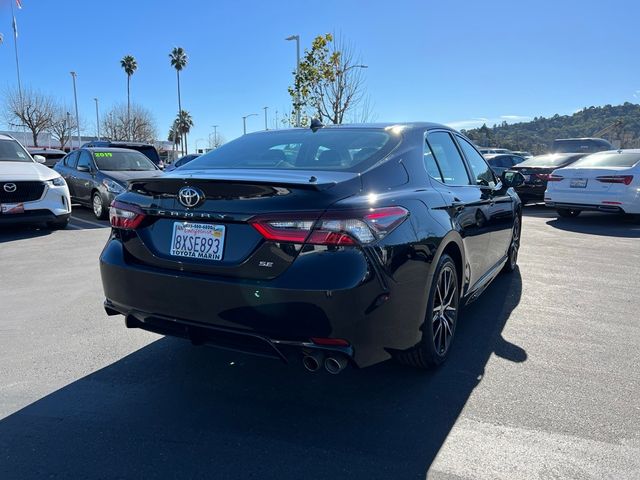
{"x":546,"y":161}
{"x":579,"y":146}
{"x":11,"y":151}
{"x":326,"y":149}
{"x":609,"y":160}
{"x":122,"y":161}
{"x":150,"y":152}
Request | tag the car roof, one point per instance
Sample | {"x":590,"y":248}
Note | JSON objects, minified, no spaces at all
{"x":366,"y":126}
{"x":109,"y":149}
{"x":97,"y":143}
{"x":46,"y":150}
{"x":6,"y":137}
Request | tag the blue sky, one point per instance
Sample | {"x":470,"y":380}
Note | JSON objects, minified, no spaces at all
{"x":458,"y":63}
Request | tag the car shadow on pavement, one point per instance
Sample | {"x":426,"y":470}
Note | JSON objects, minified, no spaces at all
{"x":21,"y":232}
{"x":170,"y":410}
{"x":608,"y":225}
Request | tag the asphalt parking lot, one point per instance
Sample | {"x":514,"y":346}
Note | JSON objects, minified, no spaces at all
{"x":542,"y":382}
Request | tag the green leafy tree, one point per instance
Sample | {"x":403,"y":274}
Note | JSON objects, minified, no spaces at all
{"x":317,"y":67}
{"x":129,"y":65}
{"x":178,"y":58}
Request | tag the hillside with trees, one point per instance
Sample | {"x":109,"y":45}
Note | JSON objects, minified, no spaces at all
{"x":619,"y":124}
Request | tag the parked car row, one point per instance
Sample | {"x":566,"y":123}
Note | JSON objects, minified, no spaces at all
{"x":606,"y":182}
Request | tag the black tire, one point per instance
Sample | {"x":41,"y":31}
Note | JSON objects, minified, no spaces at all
{"x":103,"y":211}
{"x":567,"y":212}
{"x":434,"y":348}
{"x":60,"y":224}
{"x":514,"y":248}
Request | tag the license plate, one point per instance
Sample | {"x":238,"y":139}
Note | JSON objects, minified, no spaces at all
{"x":578,"y":183}
{"x":11,"y":208}
{"x":197,"y":240}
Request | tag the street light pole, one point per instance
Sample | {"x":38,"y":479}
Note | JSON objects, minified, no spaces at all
{"x":215,"y":135}
{"x":244,"y":122}
{"x":97,"y":119}
{"x":266,"y":127}
{"x":75,"y":97}
{"x":297,"y":39}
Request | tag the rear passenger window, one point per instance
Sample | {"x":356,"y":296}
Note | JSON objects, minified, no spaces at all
{"x":482,"y":173}
{"x":430,"y":163}
{"x":71,"y":159}
{"x":448,"y":159}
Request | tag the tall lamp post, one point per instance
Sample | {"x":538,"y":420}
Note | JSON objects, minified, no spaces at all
{"x":297,"y":39}
{"x":97,"y":119}
{"x":266,"y":127}
{"x":244,"y":122}
{"x":75,"y":97}
{"x":215,"y":135}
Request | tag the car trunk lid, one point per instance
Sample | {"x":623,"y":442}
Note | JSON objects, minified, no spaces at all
{"x":231,"y":199}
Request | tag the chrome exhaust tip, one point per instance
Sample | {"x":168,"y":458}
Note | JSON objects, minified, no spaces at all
{"x":312,"y":361}
{"x":335,"y":365}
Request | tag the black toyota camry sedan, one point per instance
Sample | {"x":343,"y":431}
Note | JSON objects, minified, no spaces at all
{"x":329,"y":246}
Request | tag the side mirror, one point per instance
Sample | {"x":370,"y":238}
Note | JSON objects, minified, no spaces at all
{"x":511,"y":178}
{"x":82,"y":168}
{"x":39,"y":158}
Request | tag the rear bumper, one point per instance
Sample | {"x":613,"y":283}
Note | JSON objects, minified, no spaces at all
{"x":274,"y":317}
{"x":585,"y":207}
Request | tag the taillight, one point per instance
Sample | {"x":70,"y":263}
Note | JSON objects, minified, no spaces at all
{"x":125,"y":216}
{"x":626,"y":179}
{"x":554,"y":178}
{"x":348,"y":227}
{"x":332,"y":342}
{"x":543,"y":176}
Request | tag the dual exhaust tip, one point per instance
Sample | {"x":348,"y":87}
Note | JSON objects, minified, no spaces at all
{"x":333,"y":364}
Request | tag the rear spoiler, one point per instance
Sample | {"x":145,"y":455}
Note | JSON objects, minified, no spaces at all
{"x":171,"y":184}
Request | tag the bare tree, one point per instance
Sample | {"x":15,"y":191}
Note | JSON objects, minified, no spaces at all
{"x":35,"y":110}
{"x":344,"y":90}
{"x":143,"y":125}
{"x":63,"y":126}
{"x":216,"y":140}
{"x":363,"y":112}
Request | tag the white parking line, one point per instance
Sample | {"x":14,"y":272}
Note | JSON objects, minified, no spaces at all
{"x":89,"y":222}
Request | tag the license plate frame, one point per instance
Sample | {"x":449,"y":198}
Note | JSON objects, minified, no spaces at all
{"x":578,"y":183}
{"x":11,"y":208}
{"x":191,"y":240}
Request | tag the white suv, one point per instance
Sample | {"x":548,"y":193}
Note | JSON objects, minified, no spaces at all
{"x":29,"y":191}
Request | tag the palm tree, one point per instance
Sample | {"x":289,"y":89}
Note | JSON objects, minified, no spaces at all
{"x":129,"y":64}
{"x":184,"y":122}
{"x":179,"y":60}
{"x":174,"y":135}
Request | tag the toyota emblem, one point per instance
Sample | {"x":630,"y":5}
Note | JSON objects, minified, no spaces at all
{"x":10,"y":187}
{"x":190,"y":196}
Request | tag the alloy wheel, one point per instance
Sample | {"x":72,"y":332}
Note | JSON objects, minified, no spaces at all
{"x":445,"y":307}
{"x":97,"y":206}
{"x":515,"y":243}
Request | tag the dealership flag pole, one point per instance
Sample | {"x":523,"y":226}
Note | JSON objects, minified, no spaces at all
{"x":15,"y":46}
